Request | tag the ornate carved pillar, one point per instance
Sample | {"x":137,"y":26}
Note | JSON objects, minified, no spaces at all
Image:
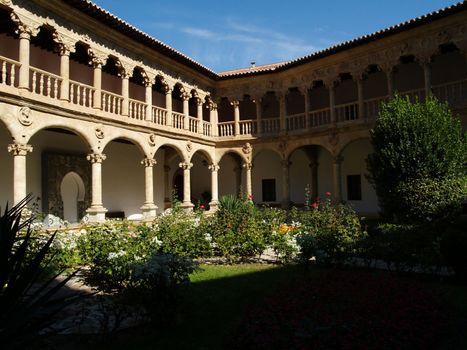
{"x":214,"y":187}
{"x":285,"y":184}
{"x":199,"y":114}
{"x":167,"y":194}
{"x":306,"y":97}
{"x":168,"y":103}
{"x":98,"y":61}
{"x":149,"y":208}
{"x":282,"y":112}
{"x":25,"y":33}
{"x":314,"y":177}
{"x":426,"y":64}
{"x":19,"y":152}
{"x":332,"y":102}
{"x":259,"y":115}
{"x":125,"y":92}
{"x":148,"y":98}
{"x":213,"y":117}
{"x":186,"y":204}
{"x":248,"y":167}
{"x":336,"y":178}
{"x":361,"y":106}
{"x":96,"y":212}
{"x":236,"y":106}
{"x":186,"y":110}
{"x":65,"y":72}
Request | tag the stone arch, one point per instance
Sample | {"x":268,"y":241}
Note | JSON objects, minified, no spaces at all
{"x":81,"y":131}
{"x":349,"y":142}
{"x":205,"y":153}
{"x":261,"y":148}
{"x":302,"y":143}
{"x":201,"y":178}
{"x":178,"y":150}
{"x":220,"y":153}
{"x":126,"y":138}
{"x":72,"y":189}
{"x":230,"y":175}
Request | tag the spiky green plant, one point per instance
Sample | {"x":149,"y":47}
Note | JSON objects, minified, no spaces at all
{"x":27,"y":302}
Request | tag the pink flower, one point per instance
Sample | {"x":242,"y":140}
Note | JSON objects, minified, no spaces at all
{"x":314,"y":206}
{"x":202,"y":206}
{"x":250,"y":197}
{"x":328,"y":194}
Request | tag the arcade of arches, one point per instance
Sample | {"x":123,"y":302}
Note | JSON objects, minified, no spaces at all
{"x":97,"y":121}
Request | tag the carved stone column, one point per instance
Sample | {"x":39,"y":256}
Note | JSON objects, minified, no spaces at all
{"x":125,"y":92}
{"x":168,"y":103}
{"x":186,"y":204}
{"x":186,"y":110}
{"x":148,"y":98}
{"x":306,"y":96}
{"x":167,"y":192}
{"x":214,"y":187}
{"x":96,"y":212}
{"x":199,"y":115}
{"x":248,"y":167}
{"x":213,"y":118}
{"x":285,"y":184}
{"x":259,"y":116}
{"x":65,"y":73}
{"x":426,"y":64}
{"x":149,"y":208}
{"x":332,"y":101}
{"x":98,"y":61}
{"x":282,"y":112}
{"x":314,"y":178}
{"x":336,"y":178}
{"x":388,"y":68}
{"x":19,"y":152}
{"x":236,"y":106}
{"x":361,"y":106}
{"x":25,"y":33}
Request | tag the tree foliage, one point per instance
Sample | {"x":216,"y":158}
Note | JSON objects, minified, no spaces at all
{"x":419,"y":162}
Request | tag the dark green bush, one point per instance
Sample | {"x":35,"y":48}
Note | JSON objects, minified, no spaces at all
{"x":454,"y":248}
{"x":419,"y":162}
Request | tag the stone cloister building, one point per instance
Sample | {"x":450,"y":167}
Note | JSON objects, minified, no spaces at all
{"x":99,"y":118}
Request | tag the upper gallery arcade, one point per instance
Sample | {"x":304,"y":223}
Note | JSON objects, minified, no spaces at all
{"x":98,"y":118}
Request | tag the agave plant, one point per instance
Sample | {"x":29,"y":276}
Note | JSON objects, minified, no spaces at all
{"x":27,"y":301}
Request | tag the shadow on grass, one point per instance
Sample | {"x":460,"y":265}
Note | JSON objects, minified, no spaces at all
{"x":218,"y":298}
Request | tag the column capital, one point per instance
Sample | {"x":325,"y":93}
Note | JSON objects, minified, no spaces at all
{"x":286,"y":163}
{"x":214,"y":167}
{"x":148,"y":162}
{"x":98,"y":59}
{"x":185,"y":165}
{"x":329,"y":81}
{"x":19,"y":149}
{"x":199,"y":101}
{"x":126,"y":69}
{"x":337,"y":159}
{"x":235,"y":103}
{"x":168,"y":88}
{"x":65,"y":44}
{"x":247,"y":166}
{"x":26,"y":28}
{"x":96,"y":157}
{"x":185,"y":95}
{"x":212,"y":105}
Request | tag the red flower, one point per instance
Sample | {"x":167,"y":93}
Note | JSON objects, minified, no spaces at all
{"x":250,"y":197}
{"x":328,"y":194}
{"x":314,"y":206}
{"x":202,"y":206}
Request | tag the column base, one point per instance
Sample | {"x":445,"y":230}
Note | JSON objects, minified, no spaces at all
{"x":96,"y":214}
{"x":213,"y":206}
{"x":187,"y":206}
{"x":149,"y":211}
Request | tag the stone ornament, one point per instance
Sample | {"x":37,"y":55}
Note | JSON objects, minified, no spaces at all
{"x":185,"y":165}
{"x":247,"y":148}
{"x":247,"y":166}
{"x":282,"y":145}
{"x":189,"y":146}
{"x":214,"y":167}
{"x":19,"y":149}
{"x":96,"y":157}
{"x":333,"y":138}
{"x":148,"y":162}
{"x":99,"y":132}
{"x":152,"y":140}
{"x":25,"y":116}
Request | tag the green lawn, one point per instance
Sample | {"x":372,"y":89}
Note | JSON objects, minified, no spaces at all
{"x":219,"y":296}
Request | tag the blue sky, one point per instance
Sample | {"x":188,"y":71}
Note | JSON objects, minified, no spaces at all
{"x":231,"y":34}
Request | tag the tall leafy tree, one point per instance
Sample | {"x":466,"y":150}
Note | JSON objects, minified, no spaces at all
{"x":419,"y":164}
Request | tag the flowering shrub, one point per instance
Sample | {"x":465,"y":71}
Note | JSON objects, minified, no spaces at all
{"x":345,"y":310}
{"x":329,"y":232}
